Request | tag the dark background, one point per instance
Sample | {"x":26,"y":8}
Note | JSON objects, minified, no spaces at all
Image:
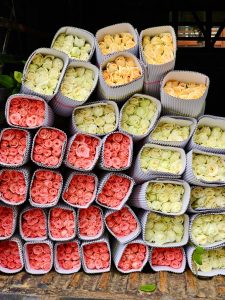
{"x":32,"y":24}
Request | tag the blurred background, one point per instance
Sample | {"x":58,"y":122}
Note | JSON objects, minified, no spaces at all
{"x":199,"y":25}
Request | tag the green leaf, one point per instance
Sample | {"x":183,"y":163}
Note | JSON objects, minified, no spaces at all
{"x":7,"y":81}
{"x":197,"y":258}
{"x":147,"y":288}
{"x":199,"y":250}
{"x":18,"y":76}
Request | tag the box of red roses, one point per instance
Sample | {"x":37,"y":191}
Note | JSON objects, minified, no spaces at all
{"x":130,"y":257}
{"x":14,"y":147}
{"x":67,"y":257}
{"x":123,"y":224}
{"x":33,"y":224}
{"x":28,"y":112}
{"x":96,"y":256}
{"x":90,"y":223}
{"x":82,"y":152}
{"x":114,"y":190}
{"x":80,"y":189}
{"x":11,"y":255}
{"x":168,"y":259}
{"x":14,"y":185}
{"x":45,"y":188}
{"x":8,"y":221}
{"x":38,"y":257}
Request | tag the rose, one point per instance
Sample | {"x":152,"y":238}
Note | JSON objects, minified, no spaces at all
{"x":204,"y":197}
{"x":170,"y":132}
{"x":213,"y":137}
{"x":212,"y":259}
{"x":116,"y":42}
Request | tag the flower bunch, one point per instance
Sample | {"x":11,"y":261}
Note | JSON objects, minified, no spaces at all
{"x":161,"y":229}
{"x":34,"y":224}
{"x":83,"y":150}
{"x":122,"y":223}
{"x":80,"y":190}
{"x":43,"y":74}
{"x":77,"y":83}
{"x":170,"y":132}
{"x":96,"y":119}
{"x":10,"y":255}
{"x":170,"y":257}
{"x":160,"y":160}
{"x":213,"y":137}
{"x":212,"y":259}
{"x":208,"y":197}
{"x":90,"y":221}
{"x":48,"y":147}
{"x":117,"y":151}
{"x":26,"y":112}
{"x":13,"y":146}
{"x":68,"y":256}
{"x":133,"y":257}
{"x":158,"y":49}
{"x":75,"y":47}
{"x":6,"y":221}
{"x":208,"y":167}
{"x":96,"y":255}
{"x":62,"y":223}
{"x":39,"y":256}
{"x":116,"y":42}
{"x":137,"y":115}
{"x":45,"y":187}
{"x":184,"y":90}
{"x":12,"y":186}
{"x":121,"y":71}
{"x":114,"y":191}
{"x":208,"y":229}
{"x":164,"y":197}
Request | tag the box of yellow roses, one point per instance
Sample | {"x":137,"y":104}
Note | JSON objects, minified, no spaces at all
{"x":78,"y":83}
{"x":78,"y":44}
{"x":121,"y":75}
{"x":43,"y":73}
{"x":172,"y":131}
{"x":207,"y":199}
{"x":116,"y":38}
{"x":213,"y":261}
{"x":130,"y":257}
{"x":184,"y":93}
{"x":168,"y":197}
{"x":209,"y":135}
{"x":98,"y":118}
{"x":164,"y":231}
{"x":138,"y":115}
{"x":157,"y":48}
{"x":155,"y":161}
{"x":205,"y":168}
{"x":207,"y":229}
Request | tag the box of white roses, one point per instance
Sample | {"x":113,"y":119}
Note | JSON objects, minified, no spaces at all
{"x":204,"y":168}
{"x":209,"y":135}
{"x":155,"y":161}
{"x":121,"y":75}
{"x":28,"y":112}
{"x":172,"y":131}
{"x":157,"y":47}
{"x":213,"y":261}
{"x":168,"y":259}
{"x":78,"y":44}
{"x":116,"y":38}
{"x":43,"y":73}
{"x":78,"y":83}
{"x":130,"y":257}
{"x":168,"y":197}
{"x":139,"y":115}
{"x":164,"y":231}
{"x":207,"y":230}
{"x":184,"y":93}
{"x":207,"y":199}
{"x":98,"y":118}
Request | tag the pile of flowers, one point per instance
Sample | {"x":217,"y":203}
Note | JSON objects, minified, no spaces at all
{"x":213,"y":137}
{"x":96,"y":256}
{"x":68,"y":256}
{"x":6,"y":222}
{"x":133,"y":257}
{"x":212,"y":259}
{"x":170,"y":132}
{"x":39,"y":256}
{"x":170,"y":257}
{"x":34,"y":224}
{"x":208,"y":197}
{"x":90,"y":221}
{"x":10,"y":257}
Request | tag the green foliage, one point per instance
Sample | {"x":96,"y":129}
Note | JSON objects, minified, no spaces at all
{"x":147,"y":288}
{"x":197,"y":255}
{"x":11,"y":82}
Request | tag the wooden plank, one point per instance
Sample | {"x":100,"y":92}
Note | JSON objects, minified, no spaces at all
{"x":104,"y":281}
{"x":163,"y":282}
{"x":118,"y":282}
{"x":191,"y":283}
{"x":133,"y":283}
